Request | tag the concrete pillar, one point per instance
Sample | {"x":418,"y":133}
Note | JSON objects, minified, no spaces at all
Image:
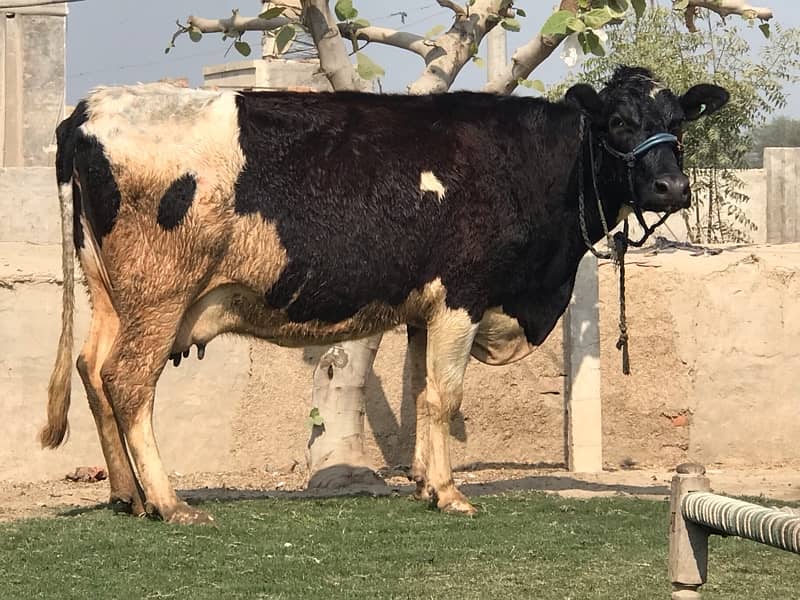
{"x":11,"y":91}
{"x":782,"y":167}
{"x":582,"y":366}
{"x":32,"y":83}
{"x":496,"y":52}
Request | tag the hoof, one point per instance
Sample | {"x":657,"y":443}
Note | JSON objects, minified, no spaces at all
{"x":125,"y":504}
{"x":183,"y":514}
{"x":418,"y":475}
{"x":453,"y":502}
{"x":459,"y":507}
{"x":421,"y":493}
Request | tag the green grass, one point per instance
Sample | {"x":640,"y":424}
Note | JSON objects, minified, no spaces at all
{"x":523,"y":545}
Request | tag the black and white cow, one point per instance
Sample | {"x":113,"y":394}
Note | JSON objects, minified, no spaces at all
{"x":314,"y":218}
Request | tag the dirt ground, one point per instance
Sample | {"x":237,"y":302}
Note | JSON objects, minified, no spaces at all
{"x":53,"y":498}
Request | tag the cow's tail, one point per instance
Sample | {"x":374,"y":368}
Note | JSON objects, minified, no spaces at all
{"x":59,"y":389}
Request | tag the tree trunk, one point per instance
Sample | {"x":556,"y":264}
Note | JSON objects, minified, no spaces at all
{"x":335,"y":452}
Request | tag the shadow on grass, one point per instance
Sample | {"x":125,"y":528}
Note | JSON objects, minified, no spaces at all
{"x":558,"y":481}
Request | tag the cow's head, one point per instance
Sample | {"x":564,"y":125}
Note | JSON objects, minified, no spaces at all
{"x":627,"y":117}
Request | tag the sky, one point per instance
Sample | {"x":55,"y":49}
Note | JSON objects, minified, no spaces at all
{"x":114,"y":41}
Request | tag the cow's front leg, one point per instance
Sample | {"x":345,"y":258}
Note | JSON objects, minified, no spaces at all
{"x":417,"y":342}
{"x":450,"y":336}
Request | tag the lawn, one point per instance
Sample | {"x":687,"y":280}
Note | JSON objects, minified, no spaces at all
{"x":522,"y":545}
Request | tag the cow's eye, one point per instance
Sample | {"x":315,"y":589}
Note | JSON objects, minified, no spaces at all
{"x":616,"y":122}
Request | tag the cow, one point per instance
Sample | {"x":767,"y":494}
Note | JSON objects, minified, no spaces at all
{"x":315,"y":218}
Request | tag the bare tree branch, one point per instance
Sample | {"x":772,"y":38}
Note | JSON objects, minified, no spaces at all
{"x":235,"y":23}
{"x":733,"y":7}
{"x":391,"y":37}
{"x":524,"y":60}
{"x":527,"y":57}
{"x":455,"y":47}
{"x":456,"y":8}
{"x":333,"y":58}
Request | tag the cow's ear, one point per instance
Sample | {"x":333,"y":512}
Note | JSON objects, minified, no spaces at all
{"x":703,"y":99}
{"x":585,"y":98}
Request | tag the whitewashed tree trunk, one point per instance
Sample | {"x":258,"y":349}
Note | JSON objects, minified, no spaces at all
{"x":335,"y":453}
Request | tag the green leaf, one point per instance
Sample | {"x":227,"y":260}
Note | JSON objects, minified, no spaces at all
{"x":360,"y":23}
{"x":195,"y":34}
{"x":273,"y":12}
{"x":639,"y":6}
{"x":596,"y":18}
{"x":367,"y":68}
{"x":314,"y":418}
{"x":434,"y":31}
{"x":533,"y":84}
{"x":510,"y":24}
{"x":167,"y":49}
{"x":584,"y":44}
{"x":680,"y":4}
{"x":344,"y":10}
{"x":764,"y":27}
{"x":284,"y":37}
{"x":575,"y":24}
{"x":618,"y":7}
{"x":242,"y":48}
{"x":520,"y":12}
{"x":556,"y":23}
{"x":594,"y":43}
{"x":479,"y":62}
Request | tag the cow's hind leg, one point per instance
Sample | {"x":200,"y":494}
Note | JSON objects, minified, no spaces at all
{"x":130,"y":374}
{"x":125,"y":492}
{"x":450,"y":336}
{"x":417,"y":342}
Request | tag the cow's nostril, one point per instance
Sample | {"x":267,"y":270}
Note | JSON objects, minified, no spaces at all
{"x":662,"y":186}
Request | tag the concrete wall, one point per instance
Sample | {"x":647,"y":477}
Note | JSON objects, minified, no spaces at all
{"x":783,"y":194}
{"x":32,"y":80}
{"x":712,"y":338}
{"x":29,"y":205}
{"x":266,"y":74}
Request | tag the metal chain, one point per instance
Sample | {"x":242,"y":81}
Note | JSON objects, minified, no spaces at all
{"x":581,"y":201}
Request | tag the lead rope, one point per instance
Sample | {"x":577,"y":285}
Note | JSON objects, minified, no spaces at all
{"x":618,"y":244}
{"x":620,"y":247}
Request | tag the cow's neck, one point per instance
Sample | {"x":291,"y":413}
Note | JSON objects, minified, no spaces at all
{"x":610,"y":202}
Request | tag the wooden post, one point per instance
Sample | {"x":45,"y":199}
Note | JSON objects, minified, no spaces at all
{"x":688,"y":542}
